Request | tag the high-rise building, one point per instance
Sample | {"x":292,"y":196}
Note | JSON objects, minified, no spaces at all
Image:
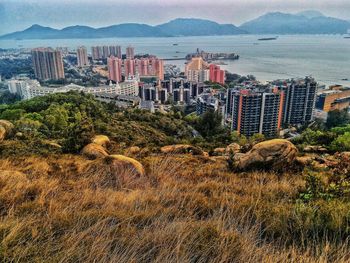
{"x":216,"y":74}
{"x":105,"y":52}
{"x":130,"y":52}
{"x":97,"y":53}
{"x":115,"y":51}
{"x":142,"y":66}
{"x":47,"y":63}
{"x":197,"y":70}
{"x":146,"y":67}
{"x":300,"y":99}
{"x":114,"y":69}
{"x":257,"y":111}
{"x":82,"y":57}
{"x":129,"y":68}
{"x":157,"y":68}
{"x":206,"y":102}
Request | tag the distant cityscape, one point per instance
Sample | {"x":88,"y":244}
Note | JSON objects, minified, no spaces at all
{"x":142,"y":80}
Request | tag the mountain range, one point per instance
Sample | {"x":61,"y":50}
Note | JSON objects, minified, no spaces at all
{"x":307,"y":22}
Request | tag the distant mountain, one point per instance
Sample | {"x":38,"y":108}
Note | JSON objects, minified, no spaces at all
{"x":123,"y":30}
{"x":310,"y":13}
{"x":198,"y":27}
{"x":307,"y":23}
{"x":177,"y":27}
{"x":33,"y":32}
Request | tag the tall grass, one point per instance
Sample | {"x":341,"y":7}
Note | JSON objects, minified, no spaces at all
{"x":185,"y":209}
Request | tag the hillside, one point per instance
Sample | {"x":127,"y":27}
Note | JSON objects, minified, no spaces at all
{"x":69,"y":194}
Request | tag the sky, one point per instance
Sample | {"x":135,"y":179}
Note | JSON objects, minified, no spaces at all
{"x":20,"y":14}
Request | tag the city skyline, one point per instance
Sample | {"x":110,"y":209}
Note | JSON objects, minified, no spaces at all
{"x":17,"y":15}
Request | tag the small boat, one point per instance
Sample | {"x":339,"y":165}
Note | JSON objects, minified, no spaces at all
{"x":345,"y":79}
{"x":175,"y":44}
{"x":267,"y":38}
{"x":177,"y":52}
{"x":347,"y":37}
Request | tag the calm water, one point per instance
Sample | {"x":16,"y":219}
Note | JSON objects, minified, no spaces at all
{"x":327,"y":58}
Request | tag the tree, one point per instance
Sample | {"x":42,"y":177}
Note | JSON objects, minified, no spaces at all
{"x":337,"y":118}
{"x":78,"y":135}
{"x":56,"y":118}
{"x":209,"y":123}
{"x":342,"y":143}
{"x":12,"y":114}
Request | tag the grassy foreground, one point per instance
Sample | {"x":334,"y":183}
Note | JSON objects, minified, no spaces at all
{"x":64,"y":208}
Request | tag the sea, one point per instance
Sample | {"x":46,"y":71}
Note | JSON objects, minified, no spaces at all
{"x":324,"y":57}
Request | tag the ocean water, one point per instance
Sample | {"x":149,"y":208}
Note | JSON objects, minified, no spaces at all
{"x":325,"y":57}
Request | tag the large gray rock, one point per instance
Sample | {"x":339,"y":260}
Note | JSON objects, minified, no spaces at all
{"x":274,"y":154}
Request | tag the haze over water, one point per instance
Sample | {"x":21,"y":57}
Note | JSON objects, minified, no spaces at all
{"x":325,"y":57}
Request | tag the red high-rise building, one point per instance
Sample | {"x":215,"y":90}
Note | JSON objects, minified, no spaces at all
{"x":114,"y":68}
{"x":129,"y":68}
{"x":216,"y":74}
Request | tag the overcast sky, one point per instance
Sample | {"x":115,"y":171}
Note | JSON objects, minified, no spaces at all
{"x":19,"y":14}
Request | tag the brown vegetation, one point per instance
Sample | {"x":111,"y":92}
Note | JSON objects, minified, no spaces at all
{"x":64,"y":208}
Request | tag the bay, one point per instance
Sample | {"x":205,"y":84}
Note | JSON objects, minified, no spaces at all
{"x":325,"y":57}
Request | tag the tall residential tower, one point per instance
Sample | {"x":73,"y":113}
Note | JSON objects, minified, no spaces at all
{"x":47,"y":63}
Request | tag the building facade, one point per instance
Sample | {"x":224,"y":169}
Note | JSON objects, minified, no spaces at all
{"x":257,"y":111}
{"x":82,"y":57}
{"x":47,"y":64}
{"x":216,"y":74}
{"x":300,"y":100}
{"x":114,"y":69}
{"x":130,"y":52}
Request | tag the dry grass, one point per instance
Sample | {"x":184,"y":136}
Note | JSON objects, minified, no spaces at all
{"x":185,"y":209}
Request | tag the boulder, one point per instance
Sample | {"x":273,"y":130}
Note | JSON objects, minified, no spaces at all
{"x":124,"y":162}
{"x":19,"y":135}
{"x":274,"y":154}
{"x":93,"y":151}
{"x":102,"y":140}
{"x":181,"y":149}
{"x":115,"y":171}
{"x":6,"y":129}
{"x":134,"y":150}
{"x":7,"y":125}
{"x":2,"y":133}
{"x":305,"y":160}
{"x":315,"y":149}
{"x":233,"y":147}
{"x":219,"y":151}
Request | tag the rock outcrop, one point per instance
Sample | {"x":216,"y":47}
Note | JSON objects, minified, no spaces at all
{"x":102,"y":140}
{"x":219,"y":151}
{"x":315,"y":149}
{"x":233,"y":147}
{"x":2,"y":133}
{"x":134,"y":150}
{"x":274,"y":154}
{"x":181,"y":149}
{"x":6,"y":129}
{"x":126,"y":163}
{"x":93,"y":151}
